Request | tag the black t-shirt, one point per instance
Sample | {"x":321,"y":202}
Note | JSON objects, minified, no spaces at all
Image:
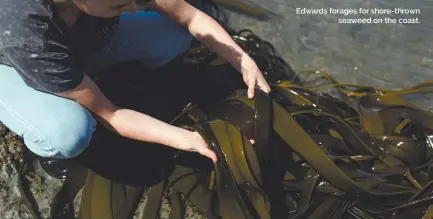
{"x":37,"y":43}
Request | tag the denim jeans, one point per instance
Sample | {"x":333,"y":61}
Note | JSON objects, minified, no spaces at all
{"x":56,"y":127}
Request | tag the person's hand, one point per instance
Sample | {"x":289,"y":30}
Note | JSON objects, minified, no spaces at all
{"x":253,"y":76}
{"x":194,"y":142}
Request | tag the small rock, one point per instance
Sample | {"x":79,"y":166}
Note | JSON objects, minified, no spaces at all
{"x":3,"y":129}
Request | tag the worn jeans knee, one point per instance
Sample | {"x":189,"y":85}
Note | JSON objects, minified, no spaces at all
{"x":69,"y":136}
{"x":51,"y":126}
{"x":64,"y":137}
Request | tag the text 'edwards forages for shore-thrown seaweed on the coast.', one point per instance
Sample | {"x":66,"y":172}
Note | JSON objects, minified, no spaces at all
{"x":363,"y":15}
{"x":349,"y":11}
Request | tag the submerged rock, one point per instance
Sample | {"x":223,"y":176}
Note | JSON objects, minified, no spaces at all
{"x":11,"y":147}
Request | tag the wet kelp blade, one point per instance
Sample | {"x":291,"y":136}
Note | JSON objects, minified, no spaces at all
{"x":232,"y":203}
{"x":232,"y":144}
{"x":429,"y":213}
{"x":262,"y":124}
{"x":184,"y":181}
{"x":103,"y":198}
{"x":238,"y":192}
{"x":62,"y":206}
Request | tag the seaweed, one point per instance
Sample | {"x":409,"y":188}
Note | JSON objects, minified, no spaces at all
{"x":323,"y":150}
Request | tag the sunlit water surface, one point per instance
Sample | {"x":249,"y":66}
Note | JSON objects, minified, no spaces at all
{"x":385,"y":55}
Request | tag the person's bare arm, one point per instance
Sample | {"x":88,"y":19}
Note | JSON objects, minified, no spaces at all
{"x":203,"y":28}
{"x":212,"y":34}
{"x":133,"y":124}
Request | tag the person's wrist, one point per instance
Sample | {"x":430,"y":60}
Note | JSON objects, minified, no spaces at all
{"x":236,"y":60}
{"x":244,"y":63}
{"x":179,"y":139}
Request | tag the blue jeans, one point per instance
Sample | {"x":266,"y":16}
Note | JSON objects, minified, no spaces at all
{"x":61,"y":128}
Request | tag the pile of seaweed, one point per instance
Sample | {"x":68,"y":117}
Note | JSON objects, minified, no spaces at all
{"x":322,"y":149}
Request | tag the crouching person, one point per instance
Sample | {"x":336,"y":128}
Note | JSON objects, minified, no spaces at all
{"x":47,"y":48}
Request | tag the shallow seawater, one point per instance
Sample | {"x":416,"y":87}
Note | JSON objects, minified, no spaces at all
{"x":385,"y":55}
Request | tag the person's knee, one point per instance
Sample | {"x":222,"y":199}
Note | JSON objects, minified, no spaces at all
{"x":69,"y":136}
{"x":50,"y":126}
